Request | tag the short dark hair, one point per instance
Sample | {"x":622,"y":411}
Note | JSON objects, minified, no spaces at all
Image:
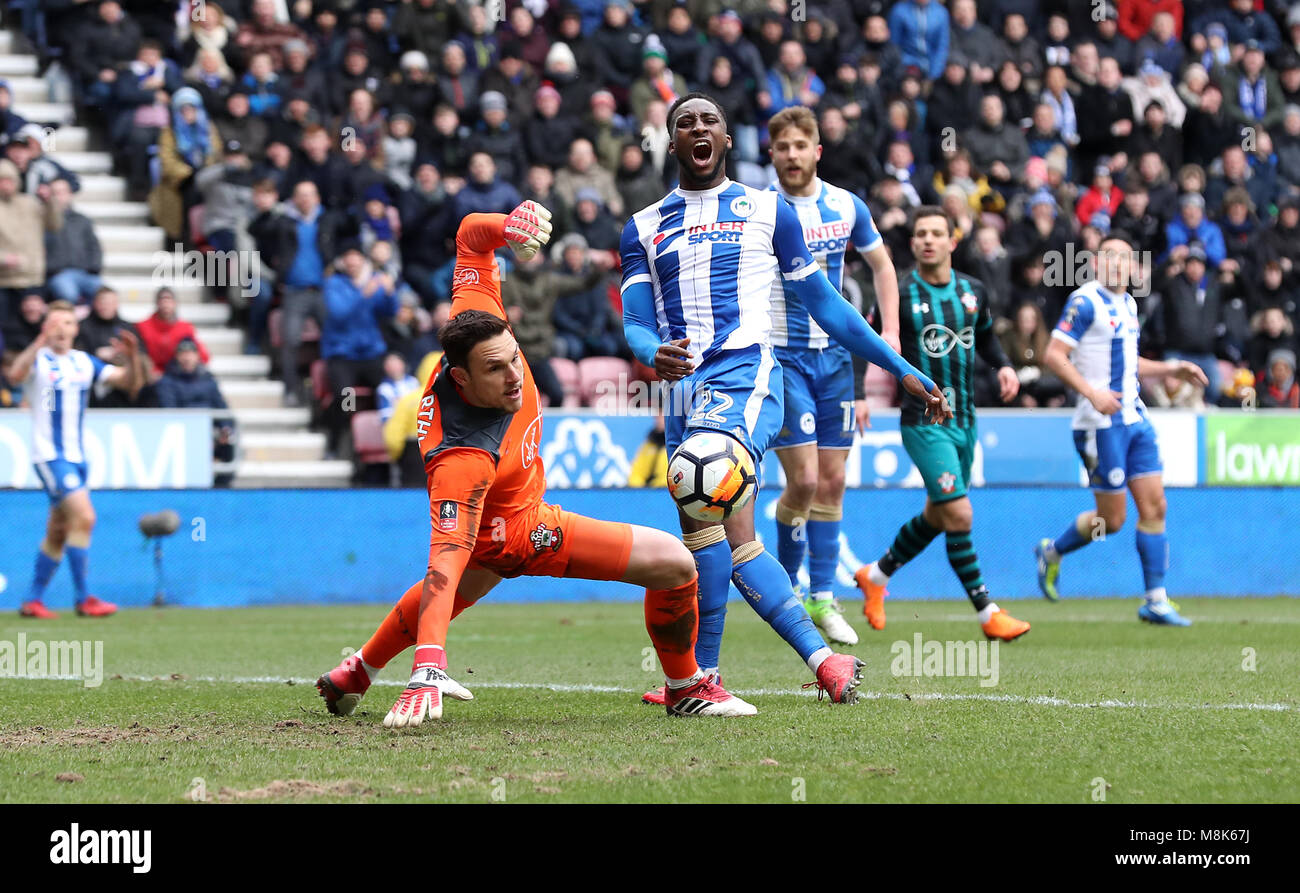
{"x":672,"y":109}
{"x":464,"y":331}
{"x":1117,"y":235}
{"x":931,"y":211}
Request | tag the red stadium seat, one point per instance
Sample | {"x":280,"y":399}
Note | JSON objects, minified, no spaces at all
{"x":603,"y":377}
{"x":320,"y":383}
{"x":368,"y":438}
{"x":567,"y":372}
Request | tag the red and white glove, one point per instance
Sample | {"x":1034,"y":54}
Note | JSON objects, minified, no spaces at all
{"x":528,"y":229}
{"x":422,"y":697}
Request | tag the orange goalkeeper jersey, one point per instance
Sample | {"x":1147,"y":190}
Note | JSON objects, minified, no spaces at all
{"x":483,"y":464}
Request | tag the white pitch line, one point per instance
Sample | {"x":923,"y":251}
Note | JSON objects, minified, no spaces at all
{"x":564,"y":688}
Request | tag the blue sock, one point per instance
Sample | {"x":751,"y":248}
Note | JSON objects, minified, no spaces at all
{"x":77,"y":559}
{"x":45,"y":568}
{"x":823,"y":554}
{"x":791,"y":544}
{"x":1153,"y":549}
{"x":766,"y":588}
{"x":714,"y":566}
{"x":1070,"y":540}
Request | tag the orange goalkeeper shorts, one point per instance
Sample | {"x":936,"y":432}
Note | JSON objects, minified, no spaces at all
{"x":547,"y":541}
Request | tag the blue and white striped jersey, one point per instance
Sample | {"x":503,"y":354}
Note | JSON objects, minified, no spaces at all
{"x":1102,"y":328}
{"x":710,"y":258}
{"x":831,"y":218}
{"x":58,"y":390}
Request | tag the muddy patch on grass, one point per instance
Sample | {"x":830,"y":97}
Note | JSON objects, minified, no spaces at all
{"x":79,"y":735}
{"x":296,"y":789}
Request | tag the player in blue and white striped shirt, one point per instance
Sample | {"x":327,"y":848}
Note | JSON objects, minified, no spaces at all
{"x":58,"y":384}
{"x":698,"y":270}
{"x":1112,"y":433}
{"x":820,"y":409}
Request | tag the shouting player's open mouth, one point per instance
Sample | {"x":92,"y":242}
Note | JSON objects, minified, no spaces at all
{"x":702,"y":153}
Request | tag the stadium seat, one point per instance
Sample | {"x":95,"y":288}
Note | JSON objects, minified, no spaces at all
{"x":567,"y":372}
{"x":594,"y":372}
{"x":195,"y":217}
{"x":368,"y":438}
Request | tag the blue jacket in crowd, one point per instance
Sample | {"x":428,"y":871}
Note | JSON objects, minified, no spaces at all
{"x":351,"y":327}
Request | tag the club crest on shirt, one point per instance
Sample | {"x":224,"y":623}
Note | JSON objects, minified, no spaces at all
{"x":742,"y":206}
{"x":544,"y":538}
{"x":969,"y":301}
{"x":448,"y":516}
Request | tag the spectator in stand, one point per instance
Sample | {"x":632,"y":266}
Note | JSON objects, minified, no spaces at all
{"x":920,"y":28}
{"x":186,"y":147}
{"x":1137,"y":17}
{"x":585,"y":323}
{"x":1272,"y":331}
{"x":425,"y":211}
{"x":547,"y":135}
{"x":357,"y":299}
{"x":657,"y":80}
{"x":261,"y":32}
{"x":1021,"y":50}
{"x":1110,"y":42}
{"x":1236,"y":172}
{"x":637,"y":184}
{"x":594,"y":222}
{"x":73,"y":257}
{"x":581,"y":171}
{"x":529,"y":294}
{"x":226,"y":188}
{"x":791,"y":82}
{"x":457,"y":83}
{"x":1103,"y":195}
{"x":104,"y":40}
{"x":514,"y":78}
{"x":24,"y":220}
{"x":1106,"y":119}
{"x":997,"y":147}
{"x":972,"y":42}
{"x":954,"y":102}
{"x":210,"y":75}
{"x":425,"y":25}
{"x":484,"y":191}
{"x":1251,"y":92}
{"x":742,"y":112}
{"x":1152,"y":84}
{"x":1191,"y":226}
{"x":746,"y":65}
{"x":397,"y":383}
{"x":606,"y":130}
{"x":409,"y":331}
{"x":295,"y":240}
{"x":527,"y":40}
{"x":1279,"y":389}
{"x":990,"y":263}
{"x":564,"y":71}
{"x":540,"y":187}
{"x":618,"y":43}
{"x":684,"y":42}
{"x":1241,"y":23}
{"x":498,"y":138}
{"x":262,"y":84}
{"x":164,"y":330}
{"x":1172,"y":392}
{"x":1025,"y":342}
{"x":21,"y":329}
{"x":416,"y":90}
{"x":187,"y":384}
{"x":1192,"y":307}
{"x":1135,"y":218}
{"x":398,"y":150}
{"x":1162,"y":42}
{"x":845,"y":161}
{"x":240,"y":125}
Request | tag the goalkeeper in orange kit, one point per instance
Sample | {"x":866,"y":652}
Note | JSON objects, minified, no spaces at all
{"x":479,"y":428}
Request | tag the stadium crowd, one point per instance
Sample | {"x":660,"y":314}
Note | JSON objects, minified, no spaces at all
{"x":341,"y":141}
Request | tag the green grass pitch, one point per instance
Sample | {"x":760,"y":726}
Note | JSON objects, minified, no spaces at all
{"x":220,"y":702}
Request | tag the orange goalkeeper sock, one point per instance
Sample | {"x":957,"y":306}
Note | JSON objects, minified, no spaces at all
{"x":672,"y":617}
{"x":396,"y":633}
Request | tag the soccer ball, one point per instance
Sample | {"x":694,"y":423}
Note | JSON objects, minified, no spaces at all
{"x":711,"y":475}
